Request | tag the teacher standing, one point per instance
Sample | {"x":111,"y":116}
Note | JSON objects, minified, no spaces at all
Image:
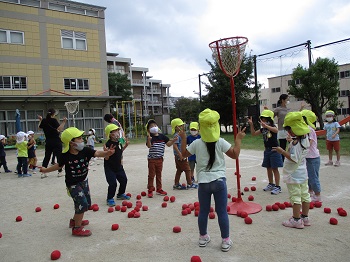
{"x":52,"y":129}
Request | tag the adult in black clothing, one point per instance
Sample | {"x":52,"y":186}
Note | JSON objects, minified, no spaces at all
{"x":53,"y":144}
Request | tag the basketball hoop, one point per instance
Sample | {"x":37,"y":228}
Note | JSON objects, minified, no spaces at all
{"x":228,"y":54}
{"x":72,"y":108}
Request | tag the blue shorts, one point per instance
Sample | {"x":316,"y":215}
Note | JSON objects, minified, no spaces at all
{"x":80,"y":194}
{"x":272,"y":159}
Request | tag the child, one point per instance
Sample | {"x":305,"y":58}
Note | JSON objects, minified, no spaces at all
{"x":272,"y":159}
{"x":181,"y":163}
{"x":194,"y":127}
{"x":294,"y":169}
{"x":211,"y":173}
{"x":114,"y":170}
{"x":75,"y":157}
{"x":3,"y":154}
{"x":91,"y":139}
{"x":333,"y":141}
{"x":156,"y":143}
{"x":312,"y":158}
{"x":109,"y":118}
{"x":22,"y":154}
{"x":32,"y":160}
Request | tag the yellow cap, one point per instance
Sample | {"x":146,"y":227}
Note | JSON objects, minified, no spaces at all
{"x":194,"y":125}
{"x":267,"y":113}
{"x":109,"y":128}
{"x":310,"y":116}
{"x":209,"y":125}
{"x":330,"y":112}
{"x":295,"y":121}
{"x":67,"y":136}
{"x":174,"y":123}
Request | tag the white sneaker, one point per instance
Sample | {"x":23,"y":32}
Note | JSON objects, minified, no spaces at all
{"x":269,"y":187}
{"x":226,"y":245}
{"x":315,"y":198}
{"x":204,"y":240}
{"x":60,"y":174}
{"x":276,"y":190}
{"x":43,"y":175}
{"x":337,"y":163}
{"x":329,"y":163}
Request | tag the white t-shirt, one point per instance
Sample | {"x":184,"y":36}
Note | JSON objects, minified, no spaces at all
{"x":199,"y":148}
{"x":294,"y":172}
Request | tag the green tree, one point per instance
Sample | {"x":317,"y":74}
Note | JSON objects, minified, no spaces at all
{"x":219,"y":91}
{"x":187,"y":109}
{"x":317,"y":85}
{"x":119,"y":85}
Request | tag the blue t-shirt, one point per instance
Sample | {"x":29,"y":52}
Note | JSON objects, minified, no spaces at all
{"x":190,"y":139}
{"x":331,"y":128}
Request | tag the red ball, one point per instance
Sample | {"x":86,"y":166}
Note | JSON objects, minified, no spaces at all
{"x":188,"y":211}
{"x":184,"y":212}
{"x":172,"y":199}
{"x":18,"y":219}
{"x":239,"y":213}
{"x":318,"y":204}
{"x":282,"y":206}
{"x":124,"y":203}
{"x":166,"y":198}
{"x":251,"y":198}
{"x":211,"y":215}
{"x":277,"y":203}
{"x":246,"y":189}
{"x":137,"y":209}
{"x":268,"y":208}
{"x":184,"y":206}
{"x":253,"y":188}
{"x":196,"y":204}
{"x":312,"y":205}
{"x":137,"y":215}
{"x":342,"y":213}
{"x":327,"y":210}
{"x":56,"y":254}
{"x":129,"y":205}
{"x":196,"y":213}
{"x":115,"y":227}
{"x":56,"y":206}
{"x":196,"y":259}
{"x":38,"y":209}
{"x":228,"y":195}
{"x":248,"y":220}
{"x":228,"y":208}
{"x":176,"y":229}
{"x":138,"y":197}
{"x":253,"y":178}
{"x":95,"y":208}
{"x":110,"y":209}
{"x":191,"y":206}
{"x":234,"y":199}
{"x":286,"y":204}
{"x":130,"y":214}
{"x":143,"y":193}
{"x":211,"y":209}
{"x":244,"y":214}
{"x":123,"y":209}
{"x":128,"y":194}
{"x":275,"y":207}
{"x":144,"y":208}
{"x":164,"y":204}
{"x":339,"y":208}
{"x":0,"y":235}
{"x":333,"y":221}
{"x":117,"y":208}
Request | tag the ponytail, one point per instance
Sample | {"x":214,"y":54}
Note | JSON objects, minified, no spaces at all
{"x":211,"y":152}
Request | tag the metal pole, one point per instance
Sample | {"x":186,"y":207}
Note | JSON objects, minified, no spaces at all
{"x":200,"y":89}
{"x":256,"y":87}
{"x":309,"y":51}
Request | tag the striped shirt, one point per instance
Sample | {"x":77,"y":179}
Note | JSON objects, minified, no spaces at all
{"x":157,"y":146}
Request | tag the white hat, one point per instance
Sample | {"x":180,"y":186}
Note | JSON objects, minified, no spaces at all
{"x":2,"y":137}
{"x":30,"y":133}
{"x":20,"y":137}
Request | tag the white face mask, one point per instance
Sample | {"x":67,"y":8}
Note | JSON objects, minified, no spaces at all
{"x":90,"y":132}
{"x":288,"y":102}
{"x":154,"y":130}
{"x":79,"y":146}
{"x":329,"y":119}
{"x":194,"y":132}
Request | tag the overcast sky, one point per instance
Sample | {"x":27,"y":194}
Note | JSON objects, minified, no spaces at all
{"x":171,"y":37}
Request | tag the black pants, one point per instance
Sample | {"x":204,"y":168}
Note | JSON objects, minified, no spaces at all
{"x":283,"y":144}
{"x":55,"y":147}
{"x":3,"y":163}
{"x":112,"y":176}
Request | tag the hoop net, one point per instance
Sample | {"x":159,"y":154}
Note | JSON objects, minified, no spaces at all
{"x":228,"y":53}
{"x":72,"y":107}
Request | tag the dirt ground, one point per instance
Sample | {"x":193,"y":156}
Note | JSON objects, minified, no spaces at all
{"x":150,"y":237}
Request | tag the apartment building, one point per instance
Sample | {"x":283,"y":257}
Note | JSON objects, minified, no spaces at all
{"x":52,"y":51}
{"x":150,"y":97}
{"x":279,"y":85}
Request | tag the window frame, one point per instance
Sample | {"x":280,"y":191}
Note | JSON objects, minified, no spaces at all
{"x":75,"y":84}
{"x":22,"y":85}
{"x":75,"y":36}
{"x":8,"y":36}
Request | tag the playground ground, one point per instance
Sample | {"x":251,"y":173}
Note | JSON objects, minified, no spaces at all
{"x":150,"y":237}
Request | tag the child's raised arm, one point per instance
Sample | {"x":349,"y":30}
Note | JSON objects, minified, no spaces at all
{"x":252,"y":130}
{"x":172,"y":141}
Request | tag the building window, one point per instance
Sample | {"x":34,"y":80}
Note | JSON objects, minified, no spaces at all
{"x":73,"y":40}
{"x":76,"y":84}
{"x":11,"y":37}
{"x":120,"y":69}
{"x":13,"y":82}
{"x":344,"y":74}
{"x":276,"y":90}
{"x":344,"y":93}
